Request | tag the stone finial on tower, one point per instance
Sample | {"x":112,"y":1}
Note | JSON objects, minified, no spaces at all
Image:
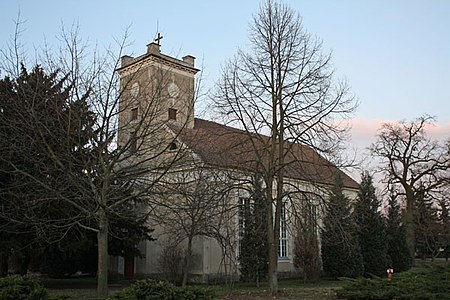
{"x":189,"y":59}
{"x":125,"y":60}
{"x":153,"y":48}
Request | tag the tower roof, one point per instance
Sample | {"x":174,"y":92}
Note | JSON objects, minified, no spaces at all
{"x":128,"y":63}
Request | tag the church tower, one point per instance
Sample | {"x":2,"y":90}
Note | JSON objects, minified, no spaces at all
{"x":156,"y":87}
{"x":155,"y":90}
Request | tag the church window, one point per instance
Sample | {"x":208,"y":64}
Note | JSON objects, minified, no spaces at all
{"x":172,"y":114}
{"x":244,"y":206}
{"x":134,"y":114}
{"x":283,"y":243}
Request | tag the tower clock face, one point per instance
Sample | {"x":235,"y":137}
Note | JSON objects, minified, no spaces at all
{"x":173,"y":90}
{"x":135,"y":90}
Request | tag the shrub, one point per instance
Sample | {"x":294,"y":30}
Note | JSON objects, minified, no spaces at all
{"x":153,"y":290}
{"x":421,"y":283}
{"x":21,"y":288}
{"x":170,"y":262}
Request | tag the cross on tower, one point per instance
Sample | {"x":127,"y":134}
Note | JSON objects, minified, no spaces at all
{"x":159,"y":38}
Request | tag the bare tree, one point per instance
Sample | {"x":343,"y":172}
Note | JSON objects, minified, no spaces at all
{"x":412,"y":163}
{"x":121,"y":162}
{"x":191,"y":202}
{"x":170,"y":262}
{"x":282,"y":87}
{"x":224,"y":232}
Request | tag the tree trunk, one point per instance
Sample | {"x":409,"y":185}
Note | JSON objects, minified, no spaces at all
{"x":102,"y":240}
{"x":410,"y":235}
{"x":187,"y":262}
{"x":409,"y":223}
{"x":280,"y":186}
{"x":272,"y":246}
{"x":272,"y":272}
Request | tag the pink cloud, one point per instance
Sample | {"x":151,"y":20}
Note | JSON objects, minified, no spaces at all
{"x":363,"y":134}
{"x":440,"y":132}
{"x":364,"y":131}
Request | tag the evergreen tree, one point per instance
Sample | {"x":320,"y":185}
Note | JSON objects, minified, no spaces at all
{"x":46,"y":169}
{"x":306,"y":243}
{"x":428,"y":227}
{"x":76,"y":252}
{"x":396,"y":238}
{"x":37,"y":123}
{"x":444,"y":218}
{"x":253,"y":256}
{"x":371,"y":228}
{"x":341,"y":253}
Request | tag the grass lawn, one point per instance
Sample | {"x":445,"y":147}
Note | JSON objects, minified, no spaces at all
{"x":288,"y":289}
{"x":84,"y":289}
{"x":78,"y":288}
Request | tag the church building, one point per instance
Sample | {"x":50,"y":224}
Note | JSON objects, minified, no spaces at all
{"x":160,"y":89}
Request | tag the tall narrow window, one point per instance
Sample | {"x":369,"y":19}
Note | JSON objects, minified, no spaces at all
{"x":133,"y":143}
{"x":283,"y":243}
{"x":134,"y":114}
{"x":172,"y":114}
{"x":244,"y":206}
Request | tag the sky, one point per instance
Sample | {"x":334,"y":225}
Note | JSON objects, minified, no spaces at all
{"x":394,"y":54}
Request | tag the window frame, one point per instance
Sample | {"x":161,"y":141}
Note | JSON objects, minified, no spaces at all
{"x":134,"y":114}
{"x":283,"y":241}
{"x":244,"y":203}
{"x":172,"y":114}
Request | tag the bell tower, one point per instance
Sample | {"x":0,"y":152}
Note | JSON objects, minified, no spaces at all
{"x":155,"y":89}
{"x":157,"y":86}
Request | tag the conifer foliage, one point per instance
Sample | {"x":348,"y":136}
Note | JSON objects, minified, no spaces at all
{"x":253,"y":256}
{"x":341,"y":253}
{"x":429,"y":233}
{"x":40,"y":133}
{"x":50,"y":162}
{"x":306,"y":243}
{"x":396,"y":238}
{"x":371,"y":228}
